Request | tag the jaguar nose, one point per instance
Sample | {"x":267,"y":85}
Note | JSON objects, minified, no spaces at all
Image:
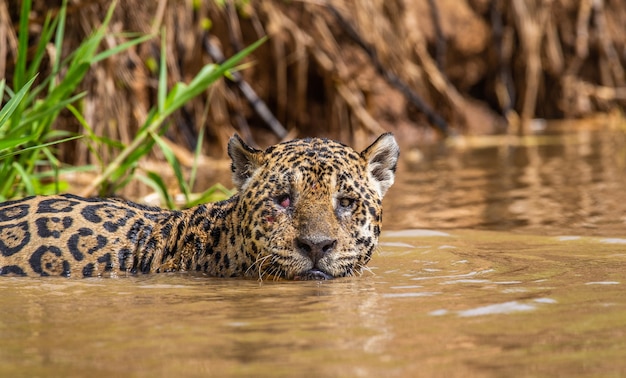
{"x":315,"y":247}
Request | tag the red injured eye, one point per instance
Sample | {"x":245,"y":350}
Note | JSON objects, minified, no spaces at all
{"x":284,"y":200}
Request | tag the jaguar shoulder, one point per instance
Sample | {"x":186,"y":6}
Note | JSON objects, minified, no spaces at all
{"x":304,"y":209}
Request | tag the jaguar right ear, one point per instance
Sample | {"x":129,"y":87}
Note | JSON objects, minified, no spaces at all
{"x":382,"y":159}
{"x":245,"y":161}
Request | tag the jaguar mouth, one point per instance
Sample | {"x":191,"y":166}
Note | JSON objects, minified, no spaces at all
{"x":313,"y":275}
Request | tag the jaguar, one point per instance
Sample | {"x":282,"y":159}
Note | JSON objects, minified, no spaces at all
{"x":305,"y":209}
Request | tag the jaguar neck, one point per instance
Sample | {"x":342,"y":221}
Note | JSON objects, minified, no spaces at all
{"x":209,"y":242}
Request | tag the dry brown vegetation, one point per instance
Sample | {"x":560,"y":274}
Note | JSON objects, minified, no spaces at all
{"x":348,"y":69}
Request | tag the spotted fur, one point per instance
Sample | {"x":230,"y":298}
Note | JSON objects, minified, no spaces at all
{"x":305,"y":209}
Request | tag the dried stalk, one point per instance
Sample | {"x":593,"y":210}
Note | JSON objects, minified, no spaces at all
{"x":435,"y":119}
{"x":531,"y":24}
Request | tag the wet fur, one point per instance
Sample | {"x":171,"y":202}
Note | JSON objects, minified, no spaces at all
{"x":305,"y":209}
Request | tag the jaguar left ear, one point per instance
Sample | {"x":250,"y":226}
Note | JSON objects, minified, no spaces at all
{"x":245,"y":161}
{"x":382,"y":159}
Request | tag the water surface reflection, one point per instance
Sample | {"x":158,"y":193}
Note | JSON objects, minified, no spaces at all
{"x":464,"y":303}
{"x":549,"y":183}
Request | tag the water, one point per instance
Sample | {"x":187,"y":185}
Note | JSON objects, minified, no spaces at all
{"x":551,"y":183}
{"x":509,"y":269}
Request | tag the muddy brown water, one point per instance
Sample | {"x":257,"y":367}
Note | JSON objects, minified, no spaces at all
{"x":503,"y":259}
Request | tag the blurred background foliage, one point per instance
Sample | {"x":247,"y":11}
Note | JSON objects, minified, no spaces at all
{"x":344,"y":69}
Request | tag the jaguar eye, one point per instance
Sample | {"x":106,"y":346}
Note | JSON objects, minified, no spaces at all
{"x":284,"y":200}
{"x":346,"y":203}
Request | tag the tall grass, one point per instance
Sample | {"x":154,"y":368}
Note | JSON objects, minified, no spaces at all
{"x":27,"y":138}
{"x":123,"y":168}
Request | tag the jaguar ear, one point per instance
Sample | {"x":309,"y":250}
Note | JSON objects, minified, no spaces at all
{"x":382,"y":159}
{"x":245,"y":161}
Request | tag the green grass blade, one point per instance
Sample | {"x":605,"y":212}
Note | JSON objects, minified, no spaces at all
{"x":58,"y":134}
{"x":173,"y":161}
{"x":58,"y":41}
{"x":70,"y":82}
{"x":81,"y":61}
{"x":10,"y":107}
{"x":215,"y":193}
{"x":154,"y":181}
{"x":121,"y":47}
{"x":162,"y":89}
{"x":183,"y":93}
{"x":37,"y":147}
{"x":66,"y":169}
{"x":207,"y":76}
{"x":196,"y":158}
{"x":124,"y":168}
{"x":91,"y":135}
{"x":55,"y":163}
{"x":47,"y":30}
{"x":22,"y":45}
{"x":26,"y":180}
{"x":56,"y":107}
{"x":9,"y":143}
